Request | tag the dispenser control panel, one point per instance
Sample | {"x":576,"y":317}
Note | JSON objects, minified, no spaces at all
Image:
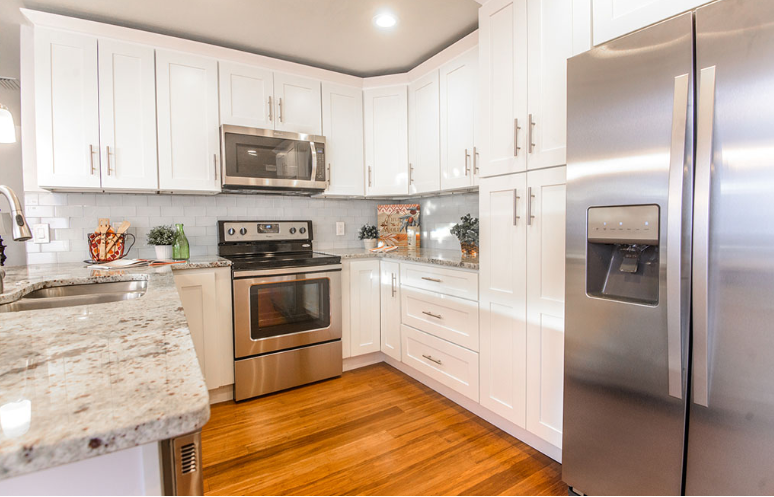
{"x":630,"y":224}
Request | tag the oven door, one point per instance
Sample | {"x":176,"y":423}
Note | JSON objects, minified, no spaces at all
{"x":286,"y":308}
{"x":264,"y":158}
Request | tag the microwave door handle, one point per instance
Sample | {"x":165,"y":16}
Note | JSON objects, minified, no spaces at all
{"x":314,"y":162}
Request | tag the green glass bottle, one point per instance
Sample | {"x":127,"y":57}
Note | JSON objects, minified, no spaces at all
{"x":180,"y":250}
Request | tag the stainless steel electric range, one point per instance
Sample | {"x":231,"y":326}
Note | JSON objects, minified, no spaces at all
{"x":287,"y":306}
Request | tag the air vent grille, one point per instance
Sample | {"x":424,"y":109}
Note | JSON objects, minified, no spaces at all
{"x":188,"y":458}
{"x":9,"y":83}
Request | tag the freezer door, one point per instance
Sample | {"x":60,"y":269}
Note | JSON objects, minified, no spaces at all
{"x":630,"y":142}
{"x":731,"y":422}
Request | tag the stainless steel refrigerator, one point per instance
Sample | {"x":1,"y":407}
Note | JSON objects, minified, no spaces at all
{"x":669,"y":344}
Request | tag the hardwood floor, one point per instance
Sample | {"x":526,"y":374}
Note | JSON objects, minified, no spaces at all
{"x":374,"y":431}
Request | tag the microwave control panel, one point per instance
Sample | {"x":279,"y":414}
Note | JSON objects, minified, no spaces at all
{"x":258,"y":231}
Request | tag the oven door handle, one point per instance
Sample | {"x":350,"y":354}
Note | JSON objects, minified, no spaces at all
{"x":316,"y":270}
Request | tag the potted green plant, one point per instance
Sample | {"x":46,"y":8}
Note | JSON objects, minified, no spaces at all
{"x":467,"y":233}
{"x":370,"y":236}
{"x":162,"y":237}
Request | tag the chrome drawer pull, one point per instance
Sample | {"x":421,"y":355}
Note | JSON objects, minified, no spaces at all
{"x":436,"y":316}
{"x":430,"y":358}
{"x":431,"y":279}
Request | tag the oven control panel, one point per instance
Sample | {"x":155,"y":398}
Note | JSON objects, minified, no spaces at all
{"x":259,"y":231}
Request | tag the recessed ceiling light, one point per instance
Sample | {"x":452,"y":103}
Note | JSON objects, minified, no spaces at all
{"x":385,"y":20}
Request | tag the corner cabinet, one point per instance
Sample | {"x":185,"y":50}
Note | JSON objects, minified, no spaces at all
{"x":385,"y":112}
{"x":424,"y":135}
{"x":390,"y":308}
{"x":524,"y":46}
{"x":189,"y":144}
{"x":342,"y":111}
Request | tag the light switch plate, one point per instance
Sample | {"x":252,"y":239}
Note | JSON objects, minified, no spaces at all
{"x":340,"y":228}
{"x":41,"y":233}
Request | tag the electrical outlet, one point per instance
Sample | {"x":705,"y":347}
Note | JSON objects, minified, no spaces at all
{"x":339,"y":228}
{"x":41,"y":233}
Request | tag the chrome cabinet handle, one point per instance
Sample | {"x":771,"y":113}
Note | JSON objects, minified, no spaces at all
{"x":530,"y":216}
{"x":515,"y":207}
{"x":107,"y":156}
{"x":394,"y":289}
{"x":411,"y":174}
{"x":516,"y":129}
{"x":475,"y":161}
{"x":705,"y":124}
{"x":91,"y":158}
{"x":215,"y":163}
{"x":431,"y":279}
{"x":436,"y":316}
{"x":430,"y":358}
{"x":369,"y":175}
{"x":530,"y":134}
{"x":467,"y":160}
{"x":280,"y":110}
{"x":270,"y":107}
{"x":674,"y":237}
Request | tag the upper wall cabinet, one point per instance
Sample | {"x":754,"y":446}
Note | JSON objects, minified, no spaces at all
{"x":187,"y":92}
{"x":459,"y":99}
{"x":614,"y":18}
{"x":342,"y":109}
{"x":386,"y":140}
{"x":298,"y":104}
{"x":95,"y":116}
{"x":524,"y":46}
{"x":246,"y":95}
{"x":424,"y":135}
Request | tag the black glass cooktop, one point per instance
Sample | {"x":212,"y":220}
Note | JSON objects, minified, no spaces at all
{"x":281,"y":260}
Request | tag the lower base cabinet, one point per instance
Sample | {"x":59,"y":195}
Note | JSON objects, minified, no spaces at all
{"x":390,"y":308}
{"x":206,"y":297}
{"x":364,"y":307}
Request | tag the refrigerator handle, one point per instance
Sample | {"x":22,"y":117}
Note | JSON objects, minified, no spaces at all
{"x":704,"y":150}
{"x":674,"y":236}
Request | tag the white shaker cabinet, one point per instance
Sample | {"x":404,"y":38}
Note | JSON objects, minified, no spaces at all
{"x":342,"y":110}
{"x":66,"y":110}
{"x":390,"y":309}
{"x":385,"y":115}
{"x":424,"y":135}
{"x":459,"y":101}
{"x":364,"y":305}
{"x":503,"y":86}
{"x":614,"y":18}
{"x":246,"y":95}
{"x":189,"y":145}
{"x":127,"y":116}
{"x":297,"y":104}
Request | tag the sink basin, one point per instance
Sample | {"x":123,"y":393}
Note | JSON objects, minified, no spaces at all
{"x":74,"y":295}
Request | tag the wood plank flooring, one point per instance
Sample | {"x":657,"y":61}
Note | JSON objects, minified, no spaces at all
{"x":374,"y":431}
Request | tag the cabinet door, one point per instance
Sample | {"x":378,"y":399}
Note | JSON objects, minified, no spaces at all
{"x":246,"y":95}
{"x":298,"y":104}
{"x":385,"y":114}
{"x":550,"y":44}
{"x":66,"y":110}
{"x":614,"y":18}
{"x":390,"y":297}
{"x":364,"y":305}
{"x":459,"y":93}
{"x":545,"y":303}
{"x":342,"y":108}
{"x":197,"y":293}
{"x":503,"y":84}
{"x":502,"y":308}
{"x":127,"y":116}
{"x":424,"y":135}
{"x":187,"y":92}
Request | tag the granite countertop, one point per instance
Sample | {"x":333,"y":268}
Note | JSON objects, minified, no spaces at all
{"x":89,"y":380}
{"x":441,"y":257}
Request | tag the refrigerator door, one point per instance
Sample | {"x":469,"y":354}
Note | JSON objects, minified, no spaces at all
{"x":630,"y":143}
{"x":731,"y":422}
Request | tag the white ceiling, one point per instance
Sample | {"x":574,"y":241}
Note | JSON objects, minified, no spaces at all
{"x":331,"y":34}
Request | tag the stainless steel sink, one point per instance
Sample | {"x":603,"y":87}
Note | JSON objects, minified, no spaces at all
{"x":74,"y":295}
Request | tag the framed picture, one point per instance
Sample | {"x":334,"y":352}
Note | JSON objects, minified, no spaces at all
{"x":393,"y":221}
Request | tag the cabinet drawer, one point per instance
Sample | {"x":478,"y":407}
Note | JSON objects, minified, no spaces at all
{"x":449,"y":364}
{"x":451,"y":318}
{"x":463,"y":284}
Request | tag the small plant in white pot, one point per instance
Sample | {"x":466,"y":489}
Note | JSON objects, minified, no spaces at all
{"x":162,"y":237}
{"x":370,"y":236}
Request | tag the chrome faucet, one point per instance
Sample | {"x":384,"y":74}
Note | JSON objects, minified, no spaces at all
{"x":21,"y":231}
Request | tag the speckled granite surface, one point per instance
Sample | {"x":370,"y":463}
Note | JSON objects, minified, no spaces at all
{"x":441,"y":257}
{"x":98,"y":378}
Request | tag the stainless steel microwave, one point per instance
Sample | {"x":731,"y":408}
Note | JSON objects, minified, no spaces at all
{"x":265,"y":159}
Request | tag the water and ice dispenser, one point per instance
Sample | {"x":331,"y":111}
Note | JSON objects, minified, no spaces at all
{"x":622,"y":260}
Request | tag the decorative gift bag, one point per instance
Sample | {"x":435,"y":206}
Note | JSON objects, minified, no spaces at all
{"x":394,"y":221}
